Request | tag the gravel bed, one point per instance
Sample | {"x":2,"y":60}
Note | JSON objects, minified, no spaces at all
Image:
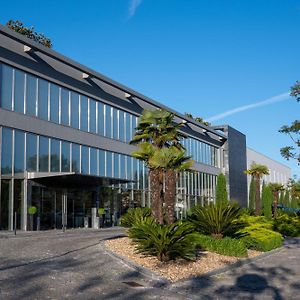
{"x":178,"y":269}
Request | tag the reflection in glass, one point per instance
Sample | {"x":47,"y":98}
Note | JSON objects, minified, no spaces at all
{"x":6,"y":161}
{"x":75,"y":158}
{"x":54,"y":103}
{"x":31,"y":84}
{"x":74,"y":110}
{"x":128,"y":127}
{"x":100,"y":118}
{"x":6,"y":87}
{"x":101,"y":163}
{"x":92,"y":116}
{"x":84,"y":160}
{"x":31,"y":152}
{"x":55,"y":155}
{"x":19,"y":91}
{"x":94,"y":162}
{"x":44,"y":154}
{"x":84,"y":113}
{"x":43,"y":99}
{"x":108,"y":164}
{"x":65,"y":157}
{"x":121,"y":126}
{"x":122,"y":166}
{"x":65,"y":105}
{"x":116,"y":165}
{"x":19,"y":151}
{"x":115,"y":124}
{"x":108,"y":117}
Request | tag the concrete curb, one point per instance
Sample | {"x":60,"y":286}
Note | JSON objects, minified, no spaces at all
{"x":160,"y":281}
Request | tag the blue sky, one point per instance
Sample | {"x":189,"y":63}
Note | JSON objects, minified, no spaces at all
{"x":204,"y":57}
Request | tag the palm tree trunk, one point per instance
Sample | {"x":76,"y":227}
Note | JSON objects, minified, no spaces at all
{"x":156,"y":187}
{"x":170,"y":194}
{"x":257,"y":197}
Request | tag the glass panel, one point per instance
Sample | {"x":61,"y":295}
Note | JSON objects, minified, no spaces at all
{"x":44,"y":154}
{"x":134,"y":124}
{"x":121,"y":126}
{"x":115,"y":124}
{"x":100,"y":118}
{"x":108,"y":112}
{"x":84,"y":113}
{"x":54,"y":103}
{"x":55,"y":155}
{"x":74,"y":110}
{"x":6,"y":162}
{"x":31,"y":84}
{"x":43,"y":99}
{"x":19,"y":91}
{"x":75,"y":158}
{"x":65,"y":157}
{"x":129,"y":168}
{"x":84,"y":160}
{"x":94,"y":161}
{"x":101,"y":163}
{"x":92,"y":116}
{"x":122,"y":166}
{"x":19,"y":151}
{"x":31,"y":152}
{"x":65,"y":105}
{"x":108,"y":164}
{"x":6,"y":87}
{"x":116,"y":165}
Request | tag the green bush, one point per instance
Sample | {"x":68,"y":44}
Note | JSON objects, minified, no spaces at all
{"x":225,"y":246}
{"x":260,"y":238}
{"x":287,"y":225}
{"x":216,"y":220}
{"x":164,"y":241}
{"x":260,"y":221}
{"x":221,"y":190}
{"x":134,"y":215}
{"x":32,"y":210}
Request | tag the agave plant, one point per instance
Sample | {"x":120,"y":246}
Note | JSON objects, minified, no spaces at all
{"x":135,"y":215}
{"x":164,"y":241}
{"x":216,"y":220}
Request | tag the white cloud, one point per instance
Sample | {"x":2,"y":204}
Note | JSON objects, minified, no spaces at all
{"x":133,"y":5}
{"x":274,"y":99}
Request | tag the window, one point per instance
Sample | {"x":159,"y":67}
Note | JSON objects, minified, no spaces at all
{"x":54,"y":103}
{"x":19,"y":151}
{"x":74,"y":110}
{"x":115,"y":124}
{"x":128,"y":127}
{"x":122,"y":166}
{"x":55,"y":155}
{"x":6,"y":87}
{"x":102,"y":162}
{"x":75,"y":158}
{"x":65,"y":106}
{"x":101,"y":118}
{"x":92,"y":116}
{"x":94,"y":161}
{"x":65,"y":157}
{"x":85,"y":160}
{"x":31,"y":152}
{"x":43,"y":99}
{"x":19,"y":91}
{"x":6,"y":161}
{"x":122,"y":125}
{"x":116,"y":165}
{"x":108,"y":120}
{"x":129,"y":168}
{"x":31,"y":97}
{"x":108,"y":164}
{"x":84,"y":113}
{"x":44,"y":154}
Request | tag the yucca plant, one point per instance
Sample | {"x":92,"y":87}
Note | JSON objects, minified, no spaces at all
{"x":134,"y":215}
{"x":216,"y":220}
{"x":167,"y":242}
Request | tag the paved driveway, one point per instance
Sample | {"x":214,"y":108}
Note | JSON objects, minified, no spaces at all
{"x":73,"y":265}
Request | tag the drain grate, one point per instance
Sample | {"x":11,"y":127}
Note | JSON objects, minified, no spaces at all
{"x":133,"y":284}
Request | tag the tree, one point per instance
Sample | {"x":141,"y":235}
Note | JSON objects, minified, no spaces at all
{"x":276,"y":188}
{"x":286,"y":199}
{"x":293,"y":131}
{"x":252,"y":190}
{"x":267,"y":199}
{"x":257,"y":171}
{"x":281,"y":197}
{"x":155,"y":133}
{"x":29,"y":32}
{"x":221,"y":190}
{"x":198,"y":119}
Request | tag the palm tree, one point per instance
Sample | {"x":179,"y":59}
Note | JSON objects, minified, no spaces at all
{"x":275,"y":188}
{"x":257,"y":171}
{"x":156,"y":131}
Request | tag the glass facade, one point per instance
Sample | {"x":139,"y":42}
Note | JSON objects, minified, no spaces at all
{"x":23,"y":152}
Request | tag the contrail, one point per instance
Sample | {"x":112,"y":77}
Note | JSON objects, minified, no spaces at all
{"x":133,"y":5}
{"x":268,"y":101}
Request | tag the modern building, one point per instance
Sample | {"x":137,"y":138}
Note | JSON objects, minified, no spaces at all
{"x":64,"y":144}
{"x":278,"y":172}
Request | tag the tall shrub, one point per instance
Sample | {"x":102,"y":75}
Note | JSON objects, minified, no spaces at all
{"x":252,"y":190}
{"x":221,"y":191}
{"x":267,"y":199}
{"x":286,"y":199}
{"x":281,"y":197}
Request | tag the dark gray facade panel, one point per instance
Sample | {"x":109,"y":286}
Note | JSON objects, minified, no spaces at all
{"x":46,"y":128}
